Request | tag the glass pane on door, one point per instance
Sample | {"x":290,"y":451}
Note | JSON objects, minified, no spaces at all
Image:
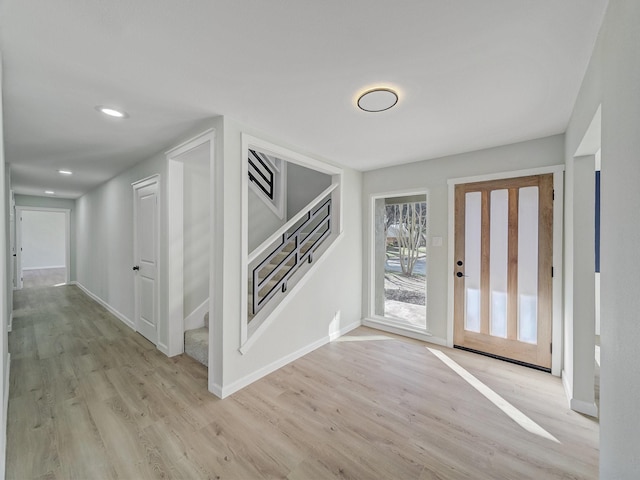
{"x":499,"y":258}
{"x":472,"y":256}
{"x":528,"y":264}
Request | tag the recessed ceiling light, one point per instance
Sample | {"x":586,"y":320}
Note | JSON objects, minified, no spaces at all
{"x":49,"y":192}
{"x":65,"y":172}
{"x":377,"y":100}
{"x":112,"y":111}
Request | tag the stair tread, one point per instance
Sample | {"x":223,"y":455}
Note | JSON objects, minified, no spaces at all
{"x":196,"y":344}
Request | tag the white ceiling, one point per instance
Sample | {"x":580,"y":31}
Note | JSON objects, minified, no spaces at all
{"x":471,"y":74}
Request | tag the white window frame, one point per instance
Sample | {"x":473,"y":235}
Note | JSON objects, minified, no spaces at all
{"x":391,"y":324}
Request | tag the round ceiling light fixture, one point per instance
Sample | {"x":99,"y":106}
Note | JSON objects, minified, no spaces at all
{"x":377,"y":100}
{"x":112,"y":111}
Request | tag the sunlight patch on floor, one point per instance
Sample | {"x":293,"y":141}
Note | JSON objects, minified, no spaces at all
{"x":515,"y":414}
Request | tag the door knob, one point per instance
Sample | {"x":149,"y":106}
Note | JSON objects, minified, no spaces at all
{"x":459,"y":274}
{"x":136,"y":268}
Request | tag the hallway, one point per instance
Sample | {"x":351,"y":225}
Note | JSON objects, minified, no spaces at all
{"x":91,"y":399}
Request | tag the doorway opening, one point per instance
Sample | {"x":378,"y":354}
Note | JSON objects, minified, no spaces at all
{"x":42,"y":250}
{"x":192,"y":319}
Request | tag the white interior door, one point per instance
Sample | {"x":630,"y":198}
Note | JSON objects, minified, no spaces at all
{"x":12,"y":240}
{"x":145,"y":266}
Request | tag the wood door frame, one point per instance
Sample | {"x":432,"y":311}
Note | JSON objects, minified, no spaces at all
{"x":18,"y":232}
{"x":142,"y":183}
{"x":558,"y":220}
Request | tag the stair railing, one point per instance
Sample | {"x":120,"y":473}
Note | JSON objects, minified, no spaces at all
{"x":289,"y":248}
{"x":262,"y":172}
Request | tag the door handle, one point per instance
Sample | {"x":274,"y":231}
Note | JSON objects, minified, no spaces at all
{"x":136,"y":268}
{"x":460,"y":274}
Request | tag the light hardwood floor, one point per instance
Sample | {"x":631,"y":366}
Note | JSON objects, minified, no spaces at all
{"x":90,"y":399}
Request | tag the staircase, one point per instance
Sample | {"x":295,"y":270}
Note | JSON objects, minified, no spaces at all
{"x":276,"y":261}
{"x":275,"y":267}
{"x":196,"y":342}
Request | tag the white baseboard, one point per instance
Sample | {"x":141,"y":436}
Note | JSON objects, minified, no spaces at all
{"x":163,"y":348}
{"x":568,"y":388}
{"x":5,"y":413}
{"x":123,"y":318}
{"x":425,"y":337}
{"x":587,"y":408}
{"x":44,"y":268}
{"x":580,"y":406}
{"x":239,"y":384}
{"x":216,"y":389}
{"x":196,"y":318}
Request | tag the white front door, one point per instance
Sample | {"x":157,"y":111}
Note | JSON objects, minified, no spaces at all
{"x":146,"y":249}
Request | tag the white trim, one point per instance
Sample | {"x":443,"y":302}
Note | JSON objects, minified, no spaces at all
{"x":275,"y":365}
{"x":566,"y":384}
{"x":5,"y":412}
{"x":44,"y":268}
{"x":163,"y":348}
{"x":120,"y":316}
{"x":557,"y":327}
{"x":527,"y":172}
{"x":580,"y":406}
{"x":175,"y":267}
{"x":250,"y":341}
{"x":379,"y":324}
{"x":558,"y":221}
{"x":586,"y":408}
{"x":18,"y":230}
{"x":196,"y":318}
{"x":285,"y":155}
{"x":187,"y":145}
{"x":137,"y":185}
{"x":372,"y":317}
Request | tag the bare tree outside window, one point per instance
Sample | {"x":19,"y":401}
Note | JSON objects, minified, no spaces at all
{"x":406,"y":227}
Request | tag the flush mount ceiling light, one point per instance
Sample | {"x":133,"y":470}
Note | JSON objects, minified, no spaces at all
{"x":112,"y":111}
{"x":377,"y":100}
{"x":49,"y":192}
{"x":65,"y":172}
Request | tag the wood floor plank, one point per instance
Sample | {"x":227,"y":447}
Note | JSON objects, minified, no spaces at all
{"x":90,"y":398}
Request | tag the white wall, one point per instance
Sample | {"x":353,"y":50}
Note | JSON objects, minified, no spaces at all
{"x":105,"y":240}
{"x":52,"y":202}
{"x":5,"y":290}
{"x":620,"y":260}
{"x":263,"y":222}
{"x":43,"y":237}
{"x":196,"y":227}
{"x":432,"y":175}
{"x":303,"y":185}
{"x":329,"y":301}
